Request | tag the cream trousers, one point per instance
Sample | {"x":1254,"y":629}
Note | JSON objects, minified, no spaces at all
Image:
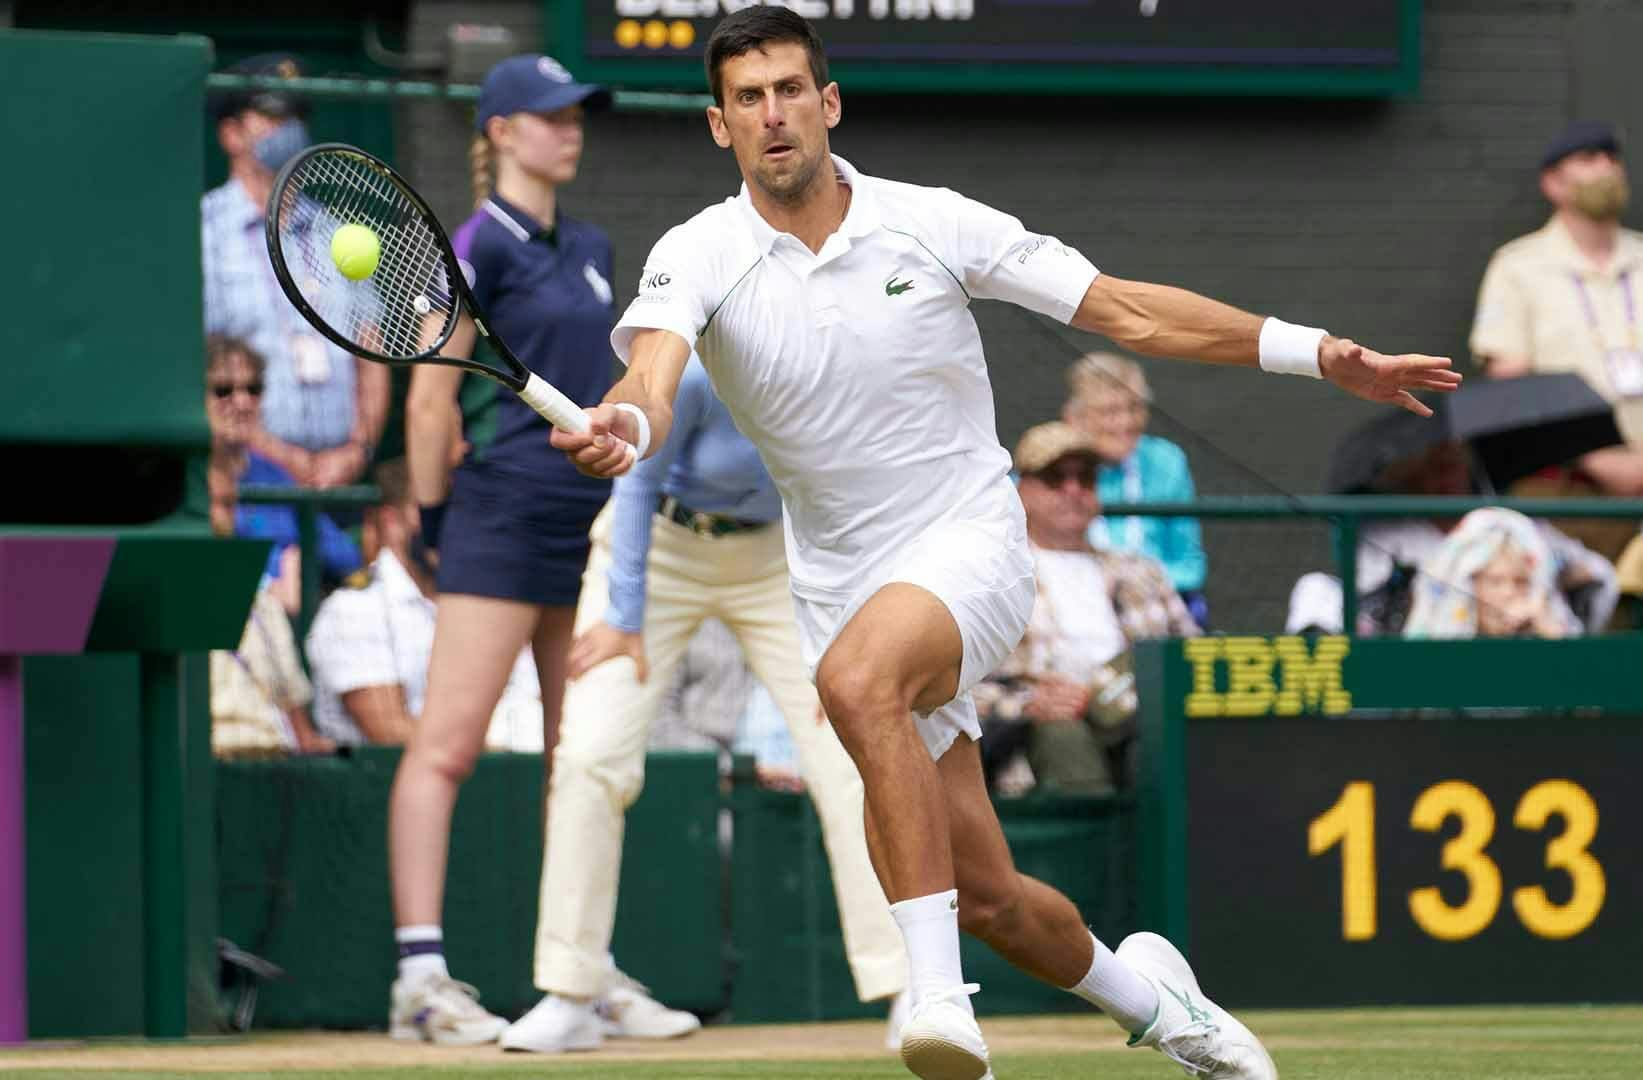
{"x":598,"y":768}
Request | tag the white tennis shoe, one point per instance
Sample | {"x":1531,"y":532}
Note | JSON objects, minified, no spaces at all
{"x":941,"y":1040}
{"x":555,"y":1025}
{"x":627,"y":1011}
{"x":1208,"y":1042}
{"x":439,"y":1009}
{"x":899,"y":1006}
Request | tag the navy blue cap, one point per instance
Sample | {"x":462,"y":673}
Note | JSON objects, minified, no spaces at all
{"x":273,"y":102}
{"x":533,"y":83}
{"x":1577,"y":137}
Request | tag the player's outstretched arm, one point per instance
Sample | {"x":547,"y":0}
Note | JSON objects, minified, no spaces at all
{"x":1159,"y":320}
{"x":638,"y":410}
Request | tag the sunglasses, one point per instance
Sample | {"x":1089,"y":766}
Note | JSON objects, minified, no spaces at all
{"x":223,"y":391}
{"x":1082,"y":475}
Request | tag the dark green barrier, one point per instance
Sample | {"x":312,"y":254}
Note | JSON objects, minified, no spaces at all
{"x":304,"y":883}
{"x":104,"y":345}
{"x":789,"y":956}
{"x":1379,"y":821}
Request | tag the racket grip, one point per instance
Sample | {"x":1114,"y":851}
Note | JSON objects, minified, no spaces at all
{"x":556,"y":408}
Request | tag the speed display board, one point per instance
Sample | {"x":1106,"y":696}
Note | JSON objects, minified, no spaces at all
{"x":1341,"y":47}
{"x":1332,"y":842}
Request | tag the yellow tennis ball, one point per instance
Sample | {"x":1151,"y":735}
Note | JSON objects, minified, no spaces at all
{"x":355,"y":249}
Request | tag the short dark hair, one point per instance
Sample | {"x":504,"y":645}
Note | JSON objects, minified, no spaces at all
{"x":755,"y":27}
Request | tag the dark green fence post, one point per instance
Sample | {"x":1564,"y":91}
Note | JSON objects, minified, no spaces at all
{"x":165,"y":896}
{"x":1346,"y":561}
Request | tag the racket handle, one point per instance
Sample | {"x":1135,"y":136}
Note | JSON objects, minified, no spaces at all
{"x":556,"y":408}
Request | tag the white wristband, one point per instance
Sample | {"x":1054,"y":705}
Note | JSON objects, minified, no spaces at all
{"x":1287,"y":349}
{"x":643,"y":421}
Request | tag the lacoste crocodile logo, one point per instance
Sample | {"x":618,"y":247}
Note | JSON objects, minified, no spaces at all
{"x":896,"y":288}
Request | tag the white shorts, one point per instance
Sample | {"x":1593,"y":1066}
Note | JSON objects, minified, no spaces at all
{"x":980,"y":567}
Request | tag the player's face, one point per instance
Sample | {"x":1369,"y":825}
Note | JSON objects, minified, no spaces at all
{"x":1113,"y":419}
{"x":547,"y":146}
{"x":775,"y":119}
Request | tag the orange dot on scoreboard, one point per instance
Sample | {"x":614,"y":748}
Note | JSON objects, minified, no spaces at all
{"x":628,"y":33}
{"x":655,"y":34}
{"x":681,"y":34}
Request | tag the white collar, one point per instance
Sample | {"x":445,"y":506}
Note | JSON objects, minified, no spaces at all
{"x":396,"y":581}
{"x":861,"y":219}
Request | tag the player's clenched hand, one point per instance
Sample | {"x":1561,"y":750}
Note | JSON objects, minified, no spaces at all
{"x":605,"y":449}
{"x":1377,"y":377}
{"x":604,"y":642}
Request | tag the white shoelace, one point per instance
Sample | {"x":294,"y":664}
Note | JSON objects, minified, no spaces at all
{"x":1192,"y":1047}
{"x":946,"y":993}
{"x":460,"y":997}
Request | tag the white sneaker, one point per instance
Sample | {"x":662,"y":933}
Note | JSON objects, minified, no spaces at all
{"x":1204,"y":1039}
{"x":898,"y":1020}
{"x":941,"y":1040}
{"x":438,"y":1009}
{"x":554,"y":1025}
{"x":627,"y":1011}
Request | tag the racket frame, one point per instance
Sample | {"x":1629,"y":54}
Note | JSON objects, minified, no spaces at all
{"x":517,"y":376}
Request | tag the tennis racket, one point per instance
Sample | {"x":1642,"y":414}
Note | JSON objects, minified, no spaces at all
{"x":404,"y":311}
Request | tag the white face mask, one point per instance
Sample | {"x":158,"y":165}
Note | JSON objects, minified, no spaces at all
{"x":282,"y":144}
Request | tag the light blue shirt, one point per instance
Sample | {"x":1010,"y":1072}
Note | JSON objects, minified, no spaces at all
{"x":309,"y":407}
{"x":1155,"y":472}
{"x":707,"y":465}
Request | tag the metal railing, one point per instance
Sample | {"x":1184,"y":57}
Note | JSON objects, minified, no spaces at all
{"x":367,"y":89}
{"x":308,"y":503}
{"x":1344,"y":512}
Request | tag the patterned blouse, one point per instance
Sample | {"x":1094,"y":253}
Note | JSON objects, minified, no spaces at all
{"x":1144,"y":601}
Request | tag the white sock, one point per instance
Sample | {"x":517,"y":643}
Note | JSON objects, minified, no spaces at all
{"x":421,"y":952}
{"x":929,"y":926}
{"x":1113,"y":987}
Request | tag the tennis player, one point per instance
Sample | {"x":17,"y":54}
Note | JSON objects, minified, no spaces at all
{"x":830,"y":309}
{"x":692,"y":533}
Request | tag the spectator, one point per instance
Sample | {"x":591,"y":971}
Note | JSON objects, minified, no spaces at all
{"x":1108,"y":401}
{"x":325,"y":410}
{"x":1493,"y":576}
{"x":369,"y":646}
{"x":259,"y":694}
{"x":1066,"y":692}
{"x":234,"y":384}
{"x":1567,"y":297}
{"x":1391,"y":549}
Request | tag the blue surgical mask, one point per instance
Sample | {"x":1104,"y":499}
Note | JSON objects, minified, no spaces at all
{"x":281,"y":145}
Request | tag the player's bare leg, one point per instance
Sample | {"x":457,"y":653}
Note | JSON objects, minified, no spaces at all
{"x":1024,"y":920}
{"x":900,"y":653}
{"x":1146,"y":986}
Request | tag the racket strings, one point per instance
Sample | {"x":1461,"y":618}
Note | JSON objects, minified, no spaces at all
{"x":407,"y":304}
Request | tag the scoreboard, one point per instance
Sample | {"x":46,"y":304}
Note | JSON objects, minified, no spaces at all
{"x":1338,"y":822}
{"x":1291,"y":47}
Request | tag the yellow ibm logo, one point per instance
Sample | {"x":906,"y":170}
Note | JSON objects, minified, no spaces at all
{"x":1306,"y":681}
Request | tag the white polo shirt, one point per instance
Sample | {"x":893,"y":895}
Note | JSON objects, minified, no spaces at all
{"x":857,"y":372}
{"x":382,"y":635}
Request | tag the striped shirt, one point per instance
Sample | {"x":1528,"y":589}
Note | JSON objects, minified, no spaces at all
{"x":309,"y":399}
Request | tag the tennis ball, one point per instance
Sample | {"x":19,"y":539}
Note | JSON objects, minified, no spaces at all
{"x":355,"y":249}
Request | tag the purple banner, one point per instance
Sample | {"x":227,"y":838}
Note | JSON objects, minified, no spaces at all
{"x":48,"y":591}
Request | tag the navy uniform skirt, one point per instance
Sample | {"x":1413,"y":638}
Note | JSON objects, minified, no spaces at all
{"x":509,"y":539}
